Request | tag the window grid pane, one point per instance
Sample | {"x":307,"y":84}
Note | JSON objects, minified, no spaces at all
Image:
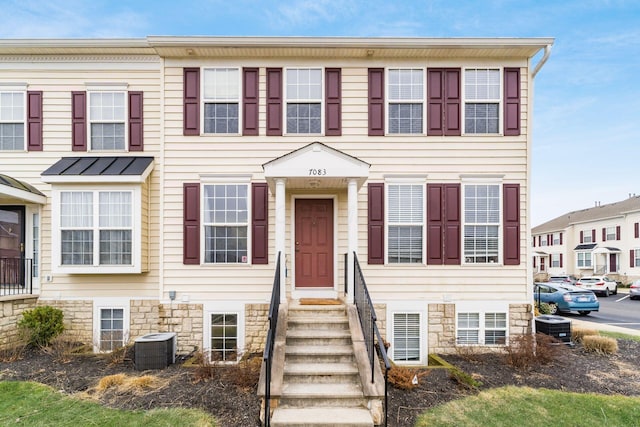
{"x":304,"y":118}
{"x":225,"y":223}
{"x":222,"y":84}
{"x":406,"y":336}
{"x":111,"y":328}
{"x":481,"y":118}
{"x":224,"y":337}
{"x":405,"y":118}
{"x":11,"y":136}
{"x":304,"y":84}
{"x":221,"y":118}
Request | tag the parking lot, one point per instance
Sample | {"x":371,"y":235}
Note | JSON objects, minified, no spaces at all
{"x":615,"y":310}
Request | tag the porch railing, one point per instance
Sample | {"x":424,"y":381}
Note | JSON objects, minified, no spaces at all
{"x":16,"y":276}
{"x":267,"y":357}
{"x":368,"y":319}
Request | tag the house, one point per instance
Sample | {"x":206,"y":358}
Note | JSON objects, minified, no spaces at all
{"x":604,"y":239}
{"x":154,"y":183}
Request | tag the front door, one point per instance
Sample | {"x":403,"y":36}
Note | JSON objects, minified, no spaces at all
{"x":314,"y":243}
{"x":613,"y":263}
{"x":11,"y":244}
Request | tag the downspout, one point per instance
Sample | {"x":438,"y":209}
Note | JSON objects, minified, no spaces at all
{"x":545,"y":57}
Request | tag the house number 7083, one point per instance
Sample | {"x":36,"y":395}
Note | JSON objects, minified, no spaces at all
{"x":317,"y":172}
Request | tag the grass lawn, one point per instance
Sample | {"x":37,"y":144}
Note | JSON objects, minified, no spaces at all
{"x":524,"y":406}
{"x":32,"y":404}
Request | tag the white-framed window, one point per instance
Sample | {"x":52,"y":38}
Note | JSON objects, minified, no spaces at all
{"x":406,"y":337}
{"x":97,"y":230}
{"x":221,"y":99}
{"x":482,"y":98}
{"x":111,"y":318}
{"x":12,"y":119}
{"x":555,"y":261}
{"x":610,"y":233}
{"x":556,"y":238}
{"x":583,"y":259}
{"x":107,"y":114}
{"x":224,"y":337}
{"x":482,"y":213}
{"x":225,"y":222}
{"x":303,"y":95}
{"x":405,"y":222}
{"x":587,"y":236}
{"x":543,"y":241}
{"x":405,"y":103}
{"x":481,"y":328}
{"x":636,"y":257}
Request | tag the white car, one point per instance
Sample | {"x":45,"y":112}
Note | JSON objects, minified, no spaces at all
{"x":599,"y":285}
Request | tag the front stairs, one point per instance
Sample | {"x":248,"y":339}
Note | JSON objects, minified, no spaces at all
{"x":322,"y":375}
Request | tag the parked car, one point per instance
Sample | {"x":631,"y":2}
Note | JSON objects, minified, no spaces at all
{"x":599,"y":284}
{"x":564,"y":298}
{"x":570,"y":279}
{"x":634,"y":290}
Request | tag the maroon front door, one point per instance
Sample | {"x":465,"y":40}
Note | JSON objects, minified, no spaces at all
{"x":11,"y":244}
{"x":314,"y":243}
{"x":613,"y":263}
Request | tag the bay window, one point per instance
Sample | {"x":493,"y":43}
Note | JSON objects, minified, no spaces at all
{"x":583,"y":259}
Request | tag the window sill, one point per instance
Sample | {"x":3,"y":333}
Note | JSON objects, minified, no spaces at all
{"x":89,"y":269}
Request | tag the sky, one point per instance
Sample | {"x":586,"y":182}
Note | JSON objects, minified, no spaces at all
{"x":587,"y":98}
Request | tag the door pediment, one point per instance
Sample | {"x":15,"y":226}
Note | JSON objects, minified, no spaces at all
{"x":316,"y":166}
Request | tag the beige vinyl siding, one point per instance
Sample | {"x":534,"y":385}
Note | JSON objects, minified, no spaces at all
{"x":57,"y":77}
{"x":440,"y":159}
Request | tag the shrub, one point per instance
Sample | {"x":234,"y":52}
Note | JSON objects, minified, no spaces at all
{"x":41,"y":324}
{"x":246,"y":373}
{"x":599,"y":344}
{"x":578,"y":334}
{"x":525,"y":351}
{"x":401,"y":377}
{"x":542,"y":308}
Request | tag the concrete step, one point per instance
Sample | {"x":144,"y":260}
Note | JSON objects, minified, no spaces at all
{"x":321,"y":373}
{"x":320,"y":353}
{"x":306,"y":395}
{"x":316,"y":337}
{"x":317,"y":310}
{"x":320,"y":417}
{"x":310,"y":322}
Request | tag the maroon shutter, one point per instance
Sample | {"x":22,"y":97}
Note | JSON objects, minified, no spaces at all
{"x":452,"y":227}
{"x":259,"y":223}
{"x":534,"y":241}
{"x":582,"y":237}
{"x":604,"y":234}
{"x":250,"y":101}
{"x":333,"y":102}
{"x":376,"y":223}
{"x":560,"y":260}
{"x":534,"y":262}
{"x":136,"y":124}
{"x":274,"y":101}
{"x":443,"y":101}
{"x":191,"y":98}
{"x":560,"y":237}
{"x":191,"y":226}
{"x":637,"y":229}
{"x":549,"y":240}
{"x":512,"y":101}
{"x":34,"y":121}
{"x":376,"y":101}
{"x":540,"y":240}
{"x":632,"y":261}
{"x":435,"y":101}
{"x":435,"y":224}
{"x":593,"y":235}
{"x":79,"y":121}
{"x":511,"y":224}
{"x":452,"y":125}
{"x":617,"y":232}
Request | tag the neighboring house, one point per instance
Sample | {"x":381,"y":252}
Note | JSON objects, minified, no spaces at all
{"x":604,"y":239}
{"x":153,"y":183}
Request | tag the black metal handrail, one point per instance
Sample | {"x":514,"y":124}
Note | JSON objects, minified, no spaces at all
{"x":267,"y":356}
{"x":16,"y":276}
{"x":368,"y":319}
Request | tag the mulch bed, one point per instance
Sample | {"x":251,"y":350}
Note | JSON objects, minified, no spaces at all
{"x":234,"y":403}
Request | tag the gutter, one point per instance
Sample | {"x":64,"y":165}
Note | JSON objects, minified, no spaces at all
{"x":543,"y":60}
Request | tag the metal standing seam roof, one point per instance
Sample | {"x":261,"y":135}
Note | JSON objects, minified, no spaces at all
{"x":18,"y":185}
{"x":591,"y":214}
{"x":99,"y":166}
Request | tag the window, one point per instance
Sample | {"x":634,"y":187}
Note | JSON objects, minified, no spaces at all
{"x":107,"y":119}
{"x":481,"y":328}
{"x":583,"y":259}
{"x":221,"y":97}
{"x":610,"y":233}
{"x":405,"y":223}
{"x":406,"y":337}
{"x":555,"y":261}
{"x":12,"y":119}
{"x":557,"y":238}
{"x":635,"y":258}
{"x":481,"y":223}
{"x":224,"y":337}
{"x":225,"y":221}
{"x":543,"y":242}
{"x":482,"y":100}
{"x":304,"y":100}
{"x":406,"y":98}
{"x":587,"y":236}
{"x":111,"y":328}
